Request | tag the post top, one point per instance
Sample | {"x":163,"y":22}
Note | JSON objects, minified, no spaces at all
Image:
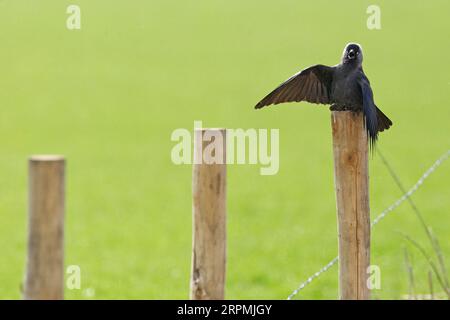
{"x":46,"y":157}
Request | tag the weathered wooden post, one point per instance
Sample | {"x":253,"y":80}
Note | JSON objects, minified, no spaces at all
{"x":350,"y":150}
{"x":209,"y":215}
{"x":45,"y":263}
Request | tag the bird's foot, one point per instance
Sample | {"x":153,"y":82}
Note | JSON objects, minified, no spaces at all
{"x":337,"y":107}
{"x":340,"y":107}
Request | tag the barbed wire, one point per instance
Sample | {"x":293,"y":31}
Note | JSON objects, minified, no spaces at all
{"x":380,"y":217}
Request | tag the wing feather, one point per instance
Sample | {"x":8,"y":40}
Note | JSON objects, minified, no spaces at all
{"x":369,"y":110}
{"x":312,"y":85}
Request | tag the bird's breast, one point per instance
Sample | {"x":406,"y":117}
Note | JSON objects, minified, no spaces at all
{"x":346,"y":92}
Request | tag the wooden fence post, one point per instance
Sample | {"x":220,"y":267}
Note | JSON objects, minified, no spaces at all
{"x":350,"y":150}
{"x":45,"y":263}
{"x":209,"y":215}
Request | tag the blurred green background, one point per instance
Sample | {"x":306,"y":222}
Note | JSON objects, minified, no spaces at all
{"x":108,"y":97}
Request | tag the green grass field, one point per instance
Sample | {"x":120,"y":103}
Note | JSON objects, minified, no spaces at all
{"x":108,"y":97}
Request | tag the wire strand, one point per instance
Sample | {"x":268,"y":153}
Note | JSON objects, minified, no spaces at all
{"x":380,"y":217}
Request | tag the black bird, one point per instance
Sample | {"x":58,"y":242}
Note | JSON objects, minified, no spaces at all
{"x":343,"y":86}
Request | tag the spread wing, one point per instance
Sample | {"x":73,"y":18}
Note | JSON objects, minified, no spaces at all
{"x":312,"y":84}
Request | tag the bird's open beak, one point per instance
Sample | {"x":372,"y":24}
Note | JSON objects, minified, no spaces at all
{"x":351,"y":54}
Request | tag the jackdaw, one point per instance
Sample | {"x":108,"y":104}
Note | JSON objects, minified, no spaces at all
{"x":343,"y":86}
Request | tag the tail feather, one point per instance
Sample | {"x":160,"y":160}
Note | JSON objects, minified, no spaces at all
{"x":384,"y":122}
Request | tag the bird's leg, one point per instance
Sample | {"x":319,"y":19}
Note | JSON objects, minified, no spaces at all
{"x":343,"y":107}
{"x":337,"y":107}
{"x":354,"y":109}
